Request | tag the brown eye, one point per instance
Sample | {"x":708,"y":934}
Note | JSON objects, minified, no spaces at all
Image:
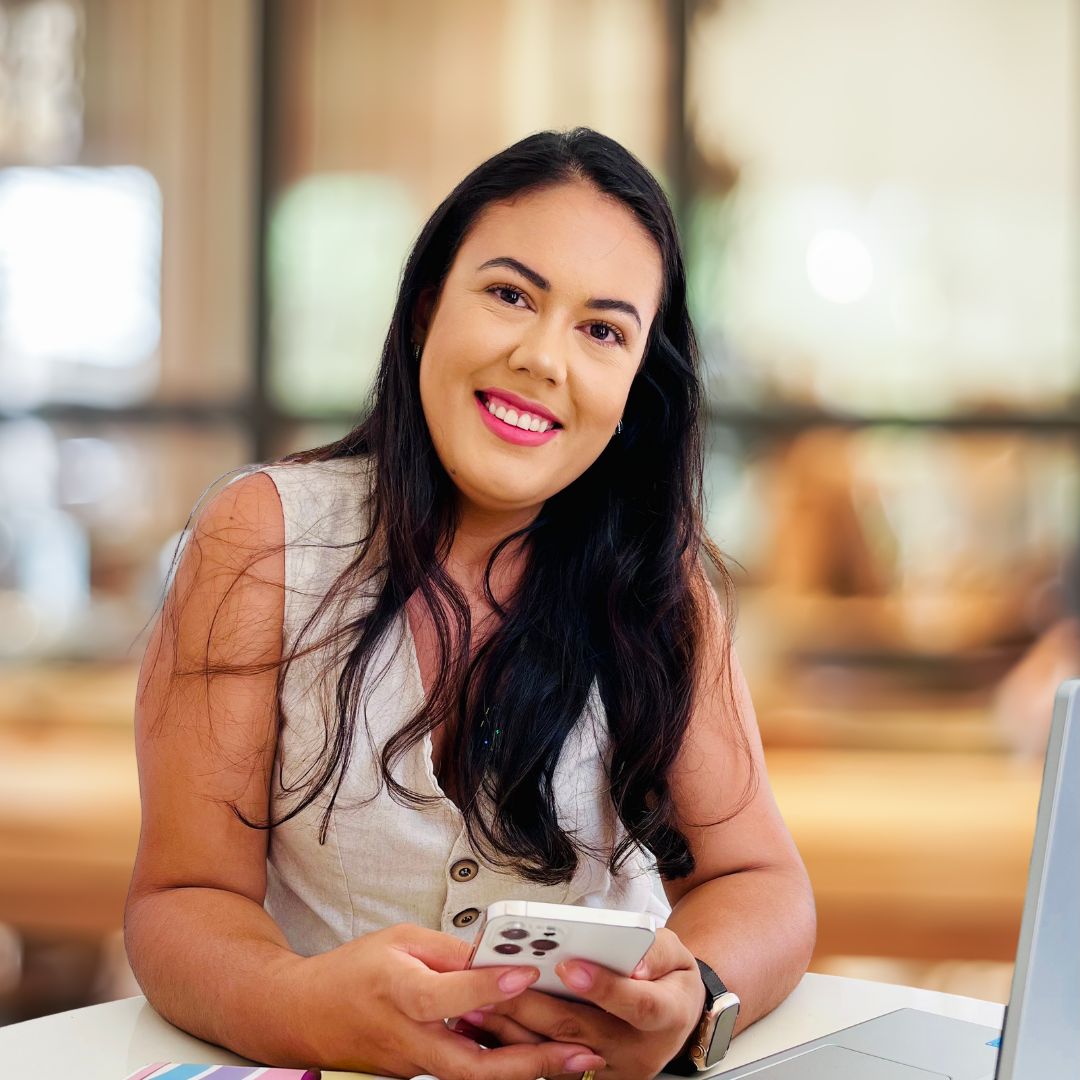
{"x":507,"y":293}
{"x":606,"y":334}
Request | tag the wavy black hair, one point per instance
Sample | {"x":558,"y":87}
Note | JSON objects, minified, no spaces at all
{"x":613,"y":588}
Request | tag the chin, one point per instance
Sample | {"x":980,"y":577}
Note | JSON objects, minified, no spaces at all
{"x":500,"y":488}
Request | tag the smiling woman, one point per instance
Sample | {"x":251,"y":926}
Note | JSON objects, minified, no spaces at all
{"x":524,"y":330}
{"x":462,"y":656}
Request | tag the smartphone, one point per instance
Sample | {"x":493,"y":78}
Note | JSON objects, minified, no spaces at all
{"x":526,"y":933}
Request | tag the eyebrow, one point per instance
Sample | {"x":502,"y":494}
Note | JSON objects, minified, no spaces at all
{"x":541,"y":282}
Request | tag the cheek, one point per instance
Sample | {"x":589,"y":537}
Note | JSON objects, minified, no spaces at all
{"x":465,"y":322}
{"x":604,"y":398}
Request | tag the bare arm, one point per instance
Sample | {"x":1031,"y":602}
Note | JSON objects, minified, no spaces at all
{"x":206,"y":954}
{"x":748,"y":909}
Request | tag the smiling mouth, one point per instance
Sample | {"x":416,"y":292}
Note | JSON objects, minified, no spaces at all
{"x":483,"y":399}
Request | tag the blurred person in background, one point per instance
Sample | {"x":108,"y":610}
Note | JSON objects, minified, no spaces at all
{"x":1023,"y":701}
{"x":470,"y":653}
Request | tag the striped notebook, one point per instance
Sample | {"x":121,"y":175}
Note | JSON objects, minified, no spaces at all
{"x":171,"y":1070}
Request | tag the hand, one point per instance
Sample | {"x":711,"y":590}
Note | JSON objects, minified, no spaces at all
{"x":637,"y":1022}
{"x":377,"y":1004}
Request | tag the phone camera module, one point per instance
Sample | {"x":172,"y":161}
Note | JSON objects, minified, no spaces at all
{"x":507,"y":949}
{"x":542,"y":946}
{"x":515,"y":933}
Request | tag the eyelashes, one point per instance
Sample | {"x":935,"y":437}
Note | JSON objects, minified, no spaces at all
{"x":499,"y":290}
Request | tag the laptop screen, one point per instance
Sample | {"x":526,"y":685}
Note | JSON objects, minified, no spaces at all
{"x":1041,"y":1037}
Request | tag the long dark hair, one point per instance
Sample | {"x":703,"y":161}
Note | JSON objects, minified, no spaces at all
{"x":610,"y":589}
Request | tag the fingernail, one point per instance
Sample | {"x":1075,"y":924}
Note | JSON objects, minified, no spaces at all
{"x":474,"y":1017}
{"x":584,"y":1062}
{"x":578,"y":976}
{"x":518,"y":979}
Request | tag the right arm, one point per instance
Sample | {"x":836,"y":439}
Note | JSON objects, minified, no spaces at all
{"x":205,"y":952}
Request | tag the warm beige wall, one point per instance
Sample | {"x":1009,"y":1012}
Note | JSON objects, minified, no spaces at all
{"x":170,"y":87}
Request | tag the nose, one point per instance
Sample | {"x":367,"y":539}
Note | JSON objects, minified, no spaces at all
{"x":541,"y":351}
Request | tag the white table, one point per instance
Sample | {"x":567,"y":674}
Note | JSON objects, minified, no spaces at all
{"x":107,"y":1042}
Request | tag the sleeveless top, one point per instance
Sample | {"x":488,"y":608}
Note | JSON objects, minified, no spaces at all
{"x":384,"y":863}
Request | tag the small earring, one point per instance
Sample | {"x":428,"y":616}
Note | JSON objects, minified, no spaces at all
{"x":416,"y":352}
{"x":618,"y":428}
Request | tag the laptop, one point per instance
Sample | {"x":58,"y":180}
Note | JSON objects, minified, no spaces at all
{"x":1041,"y":1036}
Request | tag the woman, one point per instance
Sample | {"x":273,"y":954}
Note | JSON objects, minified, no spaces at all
{"x":463,"y":656}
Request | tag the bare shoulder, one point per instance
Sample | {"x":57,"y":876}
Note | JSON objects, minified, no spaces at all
{"x":245,"y":514}
{"x":206,"y":710}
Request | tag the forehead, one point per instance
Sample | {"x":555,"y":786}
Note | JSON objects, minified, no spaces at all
{"x":578,"y":238}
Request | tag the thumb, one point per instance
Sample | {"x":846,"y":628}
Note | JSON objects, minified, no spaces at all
{"x":438,"y":951}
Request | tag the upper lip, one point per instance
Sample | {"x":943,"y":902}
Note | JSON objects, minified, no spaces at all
{"x":520,"y":403}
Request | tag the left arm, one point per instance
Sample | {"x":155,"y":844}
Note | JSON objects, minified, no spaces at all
{"x":747,"y":910}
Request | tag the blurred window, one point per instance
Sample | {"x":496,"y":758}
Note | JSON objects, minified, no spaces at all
{"x":41,"y":53}
{"x":80,"y":316}
{"x":127,"y":235}
{"x":886,"y":217}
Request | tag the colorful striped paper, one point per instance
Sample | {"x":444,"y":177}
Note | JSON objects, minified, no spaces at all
{"x":163,"y":1070}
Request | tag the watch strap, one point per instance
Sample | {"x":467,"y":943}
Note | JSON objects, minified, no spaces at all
{"x":681,"y":1065}
{"x":714,"y":985}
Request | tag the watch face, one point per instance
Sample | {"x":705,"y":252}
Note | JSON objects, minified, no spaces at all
{"x":721,"y":1038}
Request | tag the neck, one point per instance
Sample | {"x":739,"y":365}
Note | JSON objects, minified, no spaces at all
{"x":478,"y":534}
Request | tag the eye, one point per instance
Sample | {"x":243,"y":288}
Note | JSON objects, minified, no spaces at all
{"x":507,"y":293}
{"x":604,"y":332}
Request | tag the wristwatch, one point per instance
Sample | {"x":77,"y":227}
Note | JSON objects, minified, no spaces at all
{"x":709,"y":1041}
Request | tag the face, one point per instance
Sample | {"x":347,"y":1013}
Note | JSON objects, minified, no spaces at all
{"x":546,"y":312}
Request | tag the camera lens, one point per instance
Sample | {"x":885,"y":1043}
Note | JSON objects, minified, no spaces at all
{"x":515,"y":933}
{"x":544,"y":946}
{"x":507,"y":949}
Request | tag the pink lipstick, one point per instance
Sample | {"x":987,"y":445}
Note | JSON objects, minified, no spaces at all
{"x":511,"y":434}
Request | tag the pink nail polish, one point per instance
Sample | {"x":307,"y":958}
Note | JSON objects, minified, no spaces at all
{"x":584,"y":1062}
{"x":578,"y":977}
{"x":474,"y":1017}
{"x":518,"y":979}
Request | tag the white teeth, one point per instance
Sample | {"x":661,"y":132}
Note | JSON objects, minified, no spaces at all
{"x":519,"y":420}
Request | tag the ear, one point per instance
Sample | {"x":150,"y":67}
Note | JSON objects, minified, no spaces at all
{"x":422,"y":312}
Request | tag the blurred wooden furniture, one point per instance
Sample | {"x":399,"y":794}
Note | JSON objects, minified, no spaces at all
{"x":920,"y":854}
{"x":912,"y":854}
{"x":69,"y":826}
{"x":110,"y":1041}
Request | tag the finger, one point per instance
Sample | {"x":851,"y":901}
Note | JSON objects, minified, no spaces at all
{"x":451,"y":1054}
{"x":647,"y":1005}
{"x":477,"y":1034}
{"x":423,"y":994}
{"x":666,"y":954}
{"x":436,"y":950}
{"x":507,"y":1030}
{"x":563,"y":1021}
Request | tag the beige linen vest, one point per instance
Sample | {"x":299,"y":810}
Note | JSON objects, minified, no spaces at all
{"x":384,"y":863}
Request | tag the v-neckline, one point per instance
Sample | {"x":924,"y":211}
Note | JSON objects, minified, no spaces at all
{"x":420,"y":695}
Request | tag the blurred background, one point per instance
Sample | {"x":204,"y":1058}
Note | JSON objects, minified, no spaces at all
{"x":204,"y":209}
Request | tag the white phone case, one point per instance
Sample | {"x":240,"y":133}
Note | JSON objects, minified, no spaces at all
{"x":525,"y":933}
